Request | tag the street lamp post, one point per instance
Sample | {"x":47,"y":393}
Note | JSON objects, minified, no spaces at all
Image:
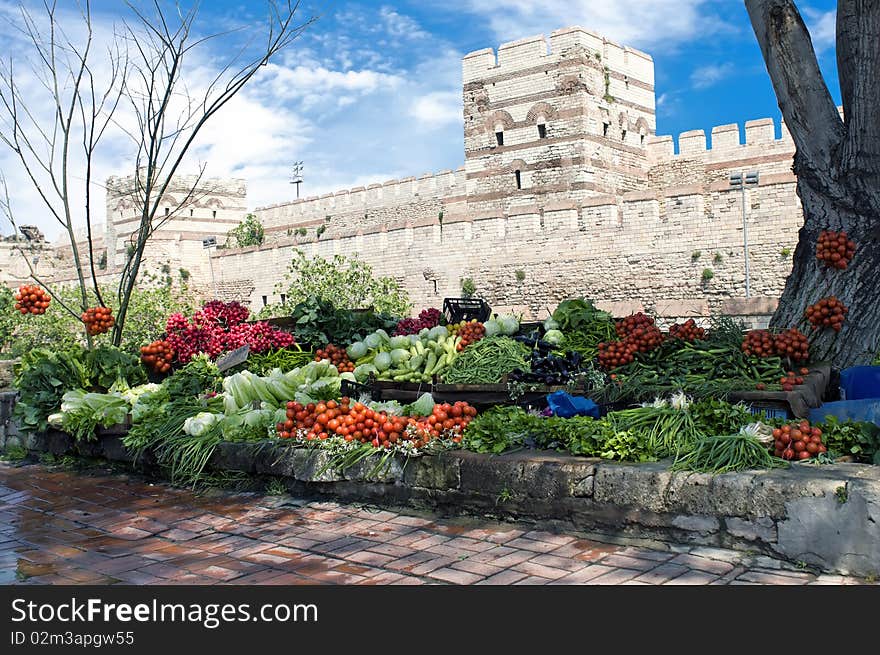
{"x":296,"y":176}
{"x":738,"y":181}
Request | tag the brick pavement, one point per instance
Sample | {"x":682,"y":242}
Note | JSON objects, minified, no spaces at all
{"x":61,"y":527}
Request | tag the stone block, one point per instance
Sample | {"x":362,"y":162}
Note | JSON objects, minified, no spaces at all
{"x":701,"y":524}
{"x":434,"y":472}
{"x":757,"y":529}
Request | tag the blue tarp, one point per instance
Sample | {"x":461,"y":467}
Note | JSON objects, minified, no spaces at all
{"x":860,"y":382}
{"x":565,"y":405}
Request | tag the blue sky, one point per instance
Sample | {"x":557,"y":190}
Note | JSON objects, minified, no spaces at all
{"x":372,"y":90}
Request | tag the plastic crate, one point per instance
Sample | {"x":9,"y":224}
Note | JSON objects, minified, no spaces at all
{"x":771,"y":409}
{"x":355,"y":390}
{"x":465,"y":309}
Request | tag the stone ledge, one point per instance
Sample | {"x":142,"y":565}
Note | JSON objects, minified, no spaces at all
{"x":795,"y":514}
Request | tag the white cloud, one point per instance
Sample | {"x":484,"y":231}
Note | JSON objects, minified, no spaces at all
{"x":707,"y":76}
{"x":639,"y":23}
{"x":823,"y":28}
{"x":400,"y":26}
{"x":437,"y":109}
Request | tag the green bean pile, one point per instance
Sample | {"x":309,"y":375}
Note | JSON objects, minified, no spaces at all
{"x":720,"y":454}
{"x":488,"y":360}
{"x":666,"y":430}
{"x":286,"y":359}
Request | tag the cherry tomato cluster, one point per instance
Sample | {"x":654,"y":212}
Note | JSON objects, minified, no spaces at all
{"x":357,"y":422}
{"x":158,"y":356}
{"x":31,"y":299}
{"x":792,"y":379}
{"x":337,"y":356}
{"x":791,"y":343}
{"x":798,"y":441}
{"x":828,"y":312}
{"x":835,"y":249}
{"x":98,"y":320}
{"x":687,"y":331}
{"x":470,"y":332}
{"x":616,"y":353}
{"x":628,"y":325}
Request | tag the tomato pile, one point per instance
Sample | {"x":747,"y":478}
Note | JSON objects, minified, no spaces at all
{"x":470,"y":332}
{"x":791,"y":379}
{"x":687,"y":331}
{"x":428,"y":318}
{"x":31,"y":299}
{"x":835,"y":249}
{"x":615,"y":353}
{"x":798,"y":441}
{"x":98,"y":320}
{"x":628,"y":325}
{"x":791,"y":343}
{"x":828,"y":312}
{"x":357,"y":422}
{"x":337,"y":356}
{"x":158,"y":356}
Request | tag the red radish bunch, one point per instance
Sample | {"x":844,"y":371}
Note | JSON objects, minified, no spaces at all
{"x":628,"y":325}
{"x":428,"y":318}
{"x":357,"y":422}
{"x":98,"y":320}
{"x":828,"y":312}
{"x":31,"y":299}
{"x":687,"y":331}
{"x":835,"y":249}
{"x":798,"y":441}
{"x":337,"y":356}
{"x":218,"y":327}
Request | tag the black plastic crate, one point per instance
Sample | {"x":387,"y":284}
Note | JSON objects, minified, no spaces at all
{"x":465,"y":309}
{"x":355,"y":390}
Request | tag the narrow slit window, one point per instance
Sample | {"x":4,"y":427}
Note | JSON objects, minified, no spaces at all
{"x":499,"y":138}
{"x":623,"y":135}
{"x":190,"y":212}
{"x":518,"y":176}
{"x":642,"y":139}
{"x":605,"y":129}
{"x":167,"y":211}
{"x":283,"y":297}
{"x":265,"y":300}
{"x":214,"y":213}
{"x":542,"y":131}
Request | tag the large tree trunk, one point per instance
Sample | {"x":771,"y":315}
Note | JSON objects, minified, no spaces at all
{"x":837,"y":163}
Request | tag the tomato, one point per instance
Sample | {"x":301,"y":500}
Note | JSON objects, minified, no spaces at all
{"x":797,"y":435}
{"x":822,"y":448}
{"x":799,"y":446}
{"x":817,"y":432}
{"x":788,"y":453}
{"x":333,"y":424}
{"x":331,"y":404}
{"x":777,"y":433}
{"x":803,"y":455}
{"x":812,"y":448}
{"x":779,"y":444}
{"x":320,"y":408}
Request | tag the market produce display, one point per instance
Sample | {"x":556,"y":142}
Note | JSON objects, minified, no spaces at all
{"x":798,"y":441}
{"x":472,"y":331}
{"x":428,"y":318}
{"x":31,"y":299}
{"x":337,"y":356}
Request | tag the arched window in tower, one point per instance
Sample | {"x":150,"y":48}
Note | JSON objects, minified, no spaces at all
{"x":542,"y":130}
{"x":499,"y":137}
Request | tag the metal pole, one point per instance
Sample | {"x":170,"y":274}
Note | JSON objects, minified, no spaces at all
{"x":745,"y":239}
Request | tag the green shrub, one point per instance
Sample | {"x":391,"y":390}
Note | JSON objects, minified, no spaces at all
{"x":247,"y":233}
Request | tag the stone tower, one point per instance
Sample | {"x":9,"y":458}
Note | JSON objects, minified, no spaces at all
{"x":560,"y":123}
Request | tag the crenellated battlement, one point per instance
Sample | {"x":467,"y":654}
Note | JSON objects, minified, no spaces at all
{"x":535,"y":51}
{"x":443,"y":184}
{"x":726,"y":141}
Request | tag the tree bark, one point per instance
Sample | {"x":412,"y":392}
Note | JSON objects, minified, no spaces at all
{"x":837,"y":163}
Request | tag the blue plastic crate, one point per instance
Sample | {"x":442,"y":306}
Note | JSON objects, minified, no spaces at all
{"x":866,"y":410}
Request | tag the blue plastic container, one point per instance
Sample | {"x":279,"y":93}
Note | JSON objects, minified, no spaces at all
{"x":860,"y":382}
{"x":866,"y":410}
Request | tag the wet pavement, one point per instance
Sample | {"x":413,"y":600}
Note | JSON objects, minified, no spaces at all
{"x":64,"y":527}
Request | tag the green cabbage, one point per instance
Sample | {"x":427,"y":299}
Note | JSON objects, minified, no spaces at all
{"x":554,"y":337}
